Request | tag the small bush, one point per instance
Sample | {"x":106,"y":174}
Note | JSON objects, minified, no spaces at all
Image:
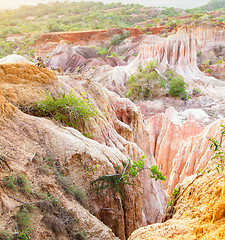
{"x":102,"y":51}
{"x":67,"y":109}
{"x":175,"y":192}
{"x":199,"y":53}
{"x":177,"y":87}
{"x":117,"y":39}
{"x":146,"y":83}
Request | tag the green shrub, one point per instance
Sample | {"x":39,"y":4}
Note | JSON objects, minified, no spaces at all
{"x":116,"y":182}
{"x":177,"y":87}
{"x":117,"y":39}
{"x":18,"y":183}
{"x":156,"y":174}
{"x":175,"y":192}
{"x":67,"y":109}
{"x":102,"y":51}
{"x":146,"y":84}
{"x":199,"y":53}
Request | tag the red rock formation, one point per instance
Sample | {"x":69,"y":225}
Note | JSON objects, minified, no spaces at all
{"x":83,"y":38}
{"x":166,"y":133}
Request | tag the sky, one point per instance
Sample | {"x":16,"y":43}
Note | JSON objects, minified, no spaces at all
{"x":154,"y":3}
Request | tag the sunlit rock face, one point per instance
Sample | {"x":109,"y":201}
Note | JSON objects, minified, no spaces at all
{"x":194,"y":153}
{"x":167,"y":133}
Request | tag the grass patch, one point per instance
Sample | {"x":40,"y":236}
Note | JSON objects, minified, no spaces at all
{"x":78,"y":193}
{"x":23,"y":219}
{"x":18,"y":183}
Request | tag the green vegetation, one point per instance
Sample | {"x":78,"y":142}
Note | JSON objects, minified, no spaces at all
{"x":213,"y":5}
{"x":175,"y":192}
{"x":146,"y":84}
{"x":177,"y":87}
{"x":102,"y":51}
{"x":70,"y":188}
{"x":5,"y":235}
{"x":55,"y":215}
{"x":219,"y":153}
{"x":23,"y":219}
{"x":67,"y":109}
{"x":117,"y":38}
{"x":18,"y":183}
{"x":116,"y":182}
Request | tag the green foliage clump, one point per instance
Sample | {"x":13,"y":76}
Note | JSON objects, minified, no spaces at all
{"x":156,"y":174}
{"x":117,"y":39}
{"x":102,"y":51}
{"x":219,"y":153}
{"x":23,"y":219}
{"x":177,"y":87}
{"x":175,"y":192}
{"x":147,"y":83}
{"x":199,"y":53}
{"x":116,"y":182}
{"x":67,"y":109}
{"x":5,"y":235}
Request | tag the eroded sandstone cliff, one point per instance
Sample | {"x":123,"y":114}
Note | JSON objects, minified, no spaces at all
{"x":118,"y":132}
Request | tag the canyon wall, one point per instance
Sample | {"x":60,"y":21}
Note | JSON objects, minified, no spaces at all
{"x":117,"y":132}
{"x":167,"y":134}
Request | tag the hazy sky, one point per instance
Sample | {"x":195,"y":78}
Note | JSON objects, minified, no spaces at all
{"x":159,"y":3}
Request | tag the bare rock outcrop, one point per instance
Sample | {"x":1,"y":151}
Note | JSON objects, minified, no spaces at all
{"x":167,"y":133}
{"x":80,"y":59}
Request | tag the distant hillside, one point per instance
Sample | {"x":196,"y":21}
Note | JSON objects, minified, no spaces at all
{"x":213,"y":5}
{"x":150,"y":3}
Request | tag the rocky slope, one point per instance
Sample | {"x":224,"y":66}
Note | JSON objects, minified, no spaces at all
{"x":29,"y":142}
{"x":198,"y":213}
{"x":197,"y":210}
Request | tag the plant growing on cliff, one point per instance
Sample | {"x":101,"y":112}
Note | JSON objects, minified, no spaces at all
{"x":116,"y":182}
{"x":67,"y":109}
{"x":146,"y":83}
{"x":177,"y":87}
{"x":117,"y":38}
{"x":219,"y":154}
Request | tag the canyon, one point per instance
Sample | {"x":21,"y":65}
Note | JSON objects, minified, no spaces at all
{"x":169,"y":132}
